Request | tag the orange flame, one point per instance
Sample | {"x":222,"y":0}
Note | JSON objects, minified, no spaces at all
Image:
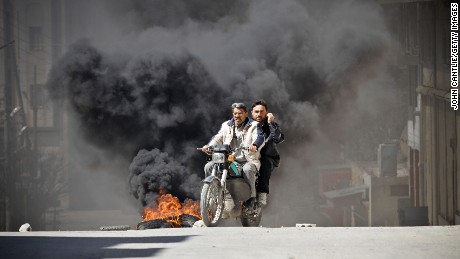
{"x":169,"y":208}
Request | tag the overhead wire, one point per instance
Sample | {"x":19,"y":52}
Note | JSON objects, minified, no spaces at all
{"x":45,"y":44}
{"x":45,"y":35}
{"x":42,"y":55}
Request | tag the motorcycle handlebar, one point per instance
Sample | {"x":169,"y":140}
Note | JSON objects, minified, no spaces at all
{"x":210,"y":148}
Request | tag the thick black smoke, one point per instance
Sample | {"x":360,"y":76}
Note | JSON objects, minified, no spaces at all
{"x":171,"y":69}
{"x":168,"y":102}
{"x":154,"y":170}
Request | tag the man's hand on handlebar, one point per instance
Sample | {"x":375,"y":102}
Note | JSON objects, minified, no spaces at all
{"x":205,"y":149}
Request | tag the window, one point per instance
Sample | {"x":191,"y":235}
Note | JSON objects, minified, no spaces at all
{"x":409,"y":37}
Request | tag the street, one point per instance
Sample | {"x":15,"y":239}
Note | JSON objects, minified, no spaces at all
{"x":237,"y":242}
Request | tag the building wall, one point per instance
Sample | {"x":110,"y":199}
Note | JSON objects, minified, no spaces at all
{"x":438,"y":129}
{"x":422,"y":29}
{"x":383,"y":200}
{"x":35,"y":48}
{"x":439,"y":157}
{"x":30,"y":25}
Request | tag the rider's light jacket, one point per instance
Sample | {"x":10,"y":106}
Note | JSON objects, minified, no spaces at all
{"x":250,"y":132}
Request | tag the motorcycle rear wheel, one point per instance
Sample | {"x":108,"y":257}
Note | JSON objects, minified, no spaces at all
{"x":251,"y":217}
{"x":212,"y":203}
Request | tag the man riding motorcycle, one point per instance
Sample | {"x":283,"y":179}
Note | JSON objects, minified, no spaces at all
{"x":269,"y":155}
{"x":236,"y":132}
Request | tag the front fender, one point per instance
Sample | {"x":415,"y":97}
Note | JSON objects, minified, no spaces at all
{"x":210,"y":178}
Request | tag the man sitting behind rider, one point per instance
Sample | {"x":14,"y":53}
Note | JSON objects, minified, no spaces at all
{"x":236,"y":132}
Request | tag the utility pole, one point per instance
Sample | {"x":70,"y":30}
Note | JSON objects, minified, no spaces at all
{"x":8,"y":106}
{"x":14,"y":123}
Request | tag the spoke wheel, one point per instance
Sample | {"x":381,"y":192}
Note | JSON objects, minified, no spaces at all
{"x":212,"y":203}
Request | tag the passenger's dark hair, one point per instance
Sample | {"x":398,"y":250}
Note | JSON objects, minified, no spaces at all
{"x":259,"y":102}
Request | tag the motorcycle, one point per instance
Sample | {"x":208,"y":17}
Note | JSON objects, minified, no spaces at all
{"x":227,"y":175}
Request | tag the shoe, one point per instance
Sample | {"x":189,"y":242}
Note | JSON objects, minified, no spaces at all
{"x":250,"y":202}
{"x":262,"y":198}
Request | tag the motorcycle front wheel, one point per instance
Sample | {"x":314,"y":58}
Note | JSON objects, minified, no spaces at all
{"x":212,"y":203}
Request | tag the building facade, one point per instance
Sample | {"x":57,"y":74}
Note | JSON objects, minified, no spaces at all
{"x":423,"y":30}
{"x":32,"y":177}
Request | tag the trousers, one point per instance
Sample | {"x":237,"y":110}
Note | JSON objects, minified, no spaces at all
{"x":266,"y":167}
{"x":249,"y":173}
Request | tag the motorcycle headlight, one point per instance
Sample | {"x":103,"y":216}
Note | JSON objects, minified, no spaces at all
{"x":218,"y":158}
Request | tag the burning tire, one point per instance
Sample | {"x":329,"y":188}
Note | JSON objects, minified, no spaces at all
{"x":188,"y":220}
{"x":212,"y":203}
{"x":151,"y":224}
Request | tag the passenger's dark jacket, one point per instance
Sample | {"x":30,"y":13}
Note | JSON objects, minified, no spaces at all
{"x":273,"y":136}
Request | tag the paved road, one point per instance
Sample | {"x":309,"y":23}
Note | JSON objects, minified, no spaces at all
{"x":237,"y":242}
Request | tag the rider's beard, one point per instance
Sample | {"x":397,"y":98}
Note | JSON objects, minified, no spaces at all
{"x":260,"y":119}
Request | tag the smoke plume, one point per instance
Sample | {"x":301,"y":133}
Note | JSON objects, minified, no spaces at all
{"x":156,"y":101}
{"x":156,"y":79}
